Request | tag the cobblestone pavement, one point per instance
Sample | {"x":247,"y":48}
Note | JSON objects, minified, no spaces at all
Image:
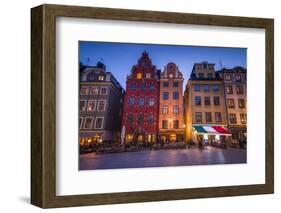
{"x":158,"y":158}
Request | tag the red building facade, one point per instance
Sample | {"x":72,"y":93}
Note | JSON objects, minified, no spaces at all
{"x":141,"y":104}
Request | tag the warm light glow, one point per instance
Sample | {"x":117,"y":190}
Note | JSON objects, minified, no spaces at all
{"x":184,"y":126}
{"x":89,"y":140}
{"x":205,"y":137}
{"x":170,"y":119}
{"x":139,"y":75}
{"x":217,"y":137}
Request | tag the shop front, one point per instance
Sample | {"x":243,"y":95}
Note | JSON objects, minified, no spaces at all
{"x":204,"y":135}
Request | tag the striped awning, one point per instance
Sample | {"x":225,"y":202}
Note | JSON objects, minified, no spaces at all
{"x":212,"y":130}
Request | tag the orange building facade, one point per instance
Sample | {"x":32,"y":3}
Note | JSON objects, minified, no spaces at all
{"x":171,"y":124}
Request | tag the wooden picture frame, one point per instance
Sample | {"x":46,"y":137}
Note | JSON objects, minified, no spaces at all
{"x":43,"y":105}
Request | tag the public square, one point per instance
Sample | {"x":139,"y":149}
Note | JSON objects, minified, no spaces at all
{"x":159,"y":158}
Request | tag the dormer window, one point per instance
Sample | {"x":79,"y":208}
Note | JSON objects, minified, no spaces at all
{"x":101,"y":78}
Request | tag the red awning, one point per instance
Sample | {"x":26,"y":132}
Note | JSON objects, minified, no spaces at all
{"x":221,"y":130}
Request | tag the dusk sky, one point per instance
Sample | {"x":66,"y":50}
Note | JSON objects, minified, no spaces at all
{"x":120,"y":57}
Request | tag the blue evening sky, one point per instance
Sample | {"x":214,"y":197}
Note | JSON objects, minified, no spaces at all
{"x":120,"y":57}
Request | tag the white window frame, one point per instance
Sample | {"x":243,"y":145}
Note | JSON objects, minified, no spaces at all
{"x":81,"y":124}
{"x":106,"y":91}
{"x":99,"y":105}
{"x":148,"y":75}
{"x":94,"y":100}
{"x":86,"y":104}
{"x":95,"y":127}
{"x":84,"y":87}
{"x":86,"y":122}
{"x":91,"y":92}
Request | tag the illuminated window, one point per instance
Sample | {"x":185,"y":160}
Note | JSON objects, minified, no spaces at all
{"x":176,"y":109}
{"x":82,"y":105}
{"x":101,"y":78}
{"x":151,"y":101}
{"x":91,"y":105}
{"x":230,"y":103}
{"x":243,"y":118}
{"x":94,"y":91}
{"x":139,"y":75}
{"x":229,"y":89}
{"x":84,"y":91}
{"x":165,"y":110}
{"x":241,"y":103}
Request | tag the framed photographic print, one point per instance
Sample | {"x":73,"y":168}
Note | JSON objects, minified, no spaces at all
{"x":137,"y":106}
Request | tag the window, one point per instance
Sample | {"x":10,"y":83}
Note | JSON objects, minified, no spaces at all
{"x":103,"y":91}
{"x":150,"y":119}
{"x":98,"y":124}
{"x":151,"y":87}
{"x":198,"y":117}
{"x":171,"y":75}
{"x":165,"y":110}
{"x":197,"y":88}
{"x":164,"y":124}
{"x":176,"y":84}
{"x":131,"y":101}
{"x":80,"y":122}
{"x":82,"y":105}
{"x":176,"y":109}
{"x":232,"y":118}
{"x":84,"y":91}
{"x":151,"y":101}
{"x":133,"y":87}
{"x":139,"y":75}
{"x":130,"y":119}
{"x":216,"y":100}
{"x":238,"y":78}
{"x":142,"y":87}
{"x":88,"y":123}
{"x":101,"y":105}
{"x":210,"y":75}
{"x":228,"y":77}
{"x":208,"y":116}
{"x":241,"y":103}
{"x":218,"y":117}
{"x":207,"y":101}
{"x":101,"y":78}
{"x":141,"y":101}
{"x":201,"y":75}
{"x":215,"y":88}
{"x":147,"y":75}
{"x":197,"y":100}
{"x":165,"y":84}
{"x":229,"y":89}
{"x":175,"y":95}
{"x":91,"y":105}
{"x":140,"y":119}
{"x":165,"y":95}
{"x":176,"y":124}
{"x":206,"y":88}
{"x":243,"y":118}
{"x":239,"y":89}
{"x":94,"y":91}
{"x":230,"y":103}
